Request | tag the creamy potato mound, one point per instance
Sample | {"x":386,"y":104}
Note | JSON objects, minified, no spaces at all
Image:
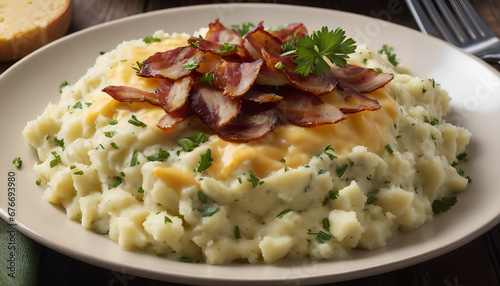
{"x":298,"y":193}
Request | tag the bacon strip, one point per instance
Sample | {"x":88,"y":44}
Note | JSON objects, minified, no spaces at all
{"x":357,"y":102}
{"x":258,"y":39}
{"x":251,"y":124}
{"x":261,"y":96}
{"x":171,"y":64}
{"x":131,"y":94}
{"x":362,"y":79}
{"x":292,"y":30}
{"x":218,"y":33}
{"x":169,"y":121}
{"x":307,"y":110}
{"x":236,"y":78}
{"x":310,"y":83}
{"x":269,"y":77}
{"x":173,"y":95}
{"x":212,"y":107}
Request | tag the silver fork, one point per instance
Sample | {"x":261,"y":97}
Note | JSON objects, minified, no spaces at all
{"x":457,"y":22}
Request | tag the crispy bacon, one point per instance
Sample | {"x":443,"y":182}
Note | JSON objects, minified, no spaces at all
{"x":290,"y":31}
{"x":252,"y":123}
{"x":131,"y":94}
{"x":218,"y":33}
{"x":258,"y":39}
{"x":316,"y":85}
{"x":361,"y":79}
{"x":236,"y":78}
{"x":357,"y":102}
{"x":169,"y":121}
{"x":212,"y":107}
{"x":171,"y":64}
{"x":173,"y":95}
{"x":270,"y":77}
{"x":261,"y":96}
{"x":307,"y":110}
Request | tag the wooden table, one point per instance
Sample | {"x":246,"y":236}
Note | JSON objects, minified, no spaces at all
{"x":476,"y":263}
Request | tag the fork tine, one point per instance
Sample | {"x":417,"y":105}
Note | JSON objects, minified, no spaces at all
{"x":473,"y":23}
{"x":441,"y":26}
{"x":452,"y":22}
{"x":423,"y":22}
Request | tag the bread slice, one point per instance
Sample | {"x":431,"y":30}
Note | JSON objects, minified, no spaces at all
{"x":27,"y":25}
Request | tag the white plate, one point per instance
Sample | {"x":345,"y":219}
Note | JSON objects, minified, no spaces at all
{"x":29,"y":85}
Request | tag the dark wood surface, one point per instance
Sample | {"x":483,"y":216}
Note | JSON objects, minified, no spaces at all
{"x":476,"y":263}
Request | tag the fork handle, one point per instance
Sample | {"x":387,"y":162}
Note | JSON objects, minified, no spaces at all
{"x":493,"y":58}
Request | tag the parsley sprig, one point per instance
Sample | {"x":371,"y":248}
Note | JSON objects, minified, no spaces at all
{"x":312,"y":50}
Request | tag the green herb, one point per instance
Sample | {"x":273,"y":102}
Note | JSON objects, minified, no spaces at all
{"x":279,"y":65}
{"x":332,"y":195}
{"x":65,"y":83}
{"x":140,"y":190}
{"x":160,"y":156}
{"x":195,"y":44}
{"x":113,"y":144}
{"x":134,"y":161}
{"x":432,"y":122}
{"x":205,"y":161}
{"x":443,"y":205}
{"x":321,"y":236}
{"x":189,"y":143}
{"x":139,"y":66}
{"x":424,"y":90}
{"x":77,"y":105}
{"x":228,"y":48}
{"x":462,"y":156}
{"x":311,"y":50}
{"x":55,"y":161}
{"x":110,"y":134}
{"x":208,"y":78}
{"x":254,"y":180}
{"x":371,"y":196}
{"x":17,"y":162}
{"x":150,"y":39}
{"x":288,"y":47}
{"x":209,"y":214}
{"x":191,"y":64}
{"x":78,"y":173}
{"x":326,"y":223}
{"x":167,"y":220}
{"x":283,"y":213}
{"x":113,"y":122}
{"x":282,"y":160}
{"x":117,"y":182}
{"x":379,"y":70}
{"x":72,"y":167}
{"x":330,"y":155}
{"x":122,"y":173}
{"x":237,"y":234}
{"x":136,"y":122}
{"x":389,"y":149}
{"x":202,"y":197}
{"x":47,"y":137}
{"x":188,"y":260}
{"x":38,"y":182}
{"x":390,"y":55}
{"x":59,"y":143}
{"x":341,"y":170}
{"x":243,"y":28}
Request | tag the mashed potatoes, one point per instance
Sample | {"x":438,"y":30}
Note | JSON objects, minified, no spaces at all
{"x":298,"y":193}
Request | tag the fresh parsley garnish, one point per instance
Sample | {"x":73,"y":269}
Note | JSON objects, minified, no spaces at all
{"x":136,"y":122}
{"x":139,"y":66}
{"x":116,"y":183}
{"x":390,"y":55}
{"x":283,"y":213}
{"x":341,"y":170}
{"x":237,"y":234}
{"x":209,"y":214}
{"x":17,"y":162}
{"x":389,"y":149}
{"x":167,"y":220}
{"x":332,"y":195}
{"x":243,"y":28}
{"x":59,"y":143}
{"x":254,"y":180}
{"x":56,"y":160}
{"x":189,"y":143}
{"x":443,"y":205}
{"x":135,"y":159}
{"x":208,"y":78}
{"x":191,"y":64}
{"x":63,"y":84}
{"x":160,"y":156}
{"x":205,"y":161}
{"x":110,"y":134}
{"x":321,"y":236}
{"x":202,"y":197}
{"x":311,"y":51}
{"x":371,"y":196}
{"x":150,"y":39}
{"x":228,"y":48}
